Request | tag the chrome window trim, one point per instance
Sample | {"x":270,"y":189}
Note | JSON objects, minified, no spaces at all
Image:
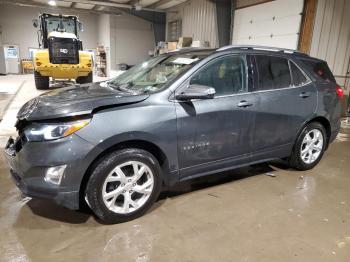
{"x":247,"y":93}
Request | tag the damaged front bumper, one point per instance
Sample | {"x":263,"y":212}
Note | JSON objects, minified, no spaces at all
{"x":29,"y":164}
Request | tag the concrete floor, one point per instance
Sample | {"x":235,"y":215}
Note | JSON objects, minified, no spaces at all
{"x":242,"y":215}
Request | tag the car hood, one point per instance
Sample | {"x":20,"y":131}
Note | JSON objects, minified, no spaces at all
{"x":76,"y":100}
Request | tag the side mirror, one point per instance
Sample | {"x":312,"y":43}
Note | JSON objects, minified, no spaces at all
{"x":35,"y":23}
{"x":81,"y":27}
{"x":196,"y":92}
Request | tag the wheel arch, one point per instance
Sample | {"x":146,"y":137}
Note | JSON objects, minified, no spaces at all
{"x":323,"y":121}
{"x":150,"y":147}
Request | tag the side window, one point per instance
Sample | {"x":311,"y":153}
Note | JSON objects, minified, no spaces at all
{"x":227,"y":75}
{"x":298,"y":77}
{"x":273,"y":72}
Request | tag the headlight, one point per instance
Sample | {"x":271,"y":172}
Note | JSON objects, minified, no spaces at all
{"x":42,"y":132}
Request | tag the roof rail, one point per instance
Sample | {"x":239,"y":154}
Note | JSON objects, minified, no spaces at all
{"x":262,"y":48}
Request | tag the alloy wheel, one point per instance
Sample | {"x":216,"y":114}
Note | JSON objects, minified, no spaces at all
{"x":312,"y":146}
{"x":127,"y":187}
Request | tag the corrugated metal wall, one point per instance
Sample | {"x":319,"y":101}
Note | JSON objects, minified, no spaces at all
{"x":198,"y":20}
{"x":331,"y":37}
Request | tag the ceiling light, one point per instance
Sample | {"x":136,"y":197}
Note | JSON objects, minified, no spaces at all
{"x":52,"y":2}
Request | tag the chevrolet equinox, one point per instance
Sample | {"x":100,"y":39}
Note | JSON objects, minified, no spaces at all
{"x":177,"y":116}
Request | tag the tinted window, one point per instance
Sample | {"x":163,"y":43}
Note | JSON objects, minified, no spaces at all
{"x":320,"y":69}
{"x":227,"y":75}
{"x":273,"y":72}
{"x":299,"y":78}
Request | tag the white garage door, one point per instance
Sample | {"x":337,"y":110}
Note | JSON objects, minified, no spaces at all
{"x":275,"y":23}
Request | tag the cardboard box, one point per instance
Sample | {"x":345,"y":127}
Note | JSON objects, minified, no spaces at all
{"x":162,"y":51}
{"x":172,"y":46}
{"x":184,"y":42}
{"x":197,"y":43}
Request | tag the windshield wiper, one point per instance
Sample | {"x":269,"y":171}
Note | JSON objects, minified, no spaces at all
{"x":121,"y":87}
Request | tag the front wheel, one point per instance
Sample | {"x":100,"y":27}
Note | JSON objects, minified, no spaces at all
{"x":124,"y":185}
{"x":309,"y":147}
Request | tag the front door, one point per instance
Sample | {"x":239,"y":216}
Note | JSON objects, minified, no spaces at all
{"x":214,"y":134}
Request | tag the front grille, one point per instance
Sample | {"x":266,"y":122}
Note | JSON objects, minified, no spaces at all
{"x":63,"y":50}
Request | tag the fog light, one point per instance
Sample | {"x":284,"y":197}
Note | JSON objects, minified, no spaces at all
{"x":54,"y":174}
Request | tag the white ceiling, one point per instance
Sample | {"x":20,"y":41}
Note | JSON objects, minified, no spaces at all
{"x":102,"y":5}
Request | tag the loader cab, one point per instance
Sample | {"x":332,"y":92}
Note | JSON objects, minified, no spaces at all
{"x":60,"y":35}
{"x":61,"y":54}
{"x":48,"y":23}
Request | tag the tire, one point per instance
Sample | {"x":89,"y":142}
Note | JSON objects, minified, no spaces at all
{"x":97,"y":185}
{"x":85,"y":79}
{"x":41,"y":82}
{"x":296,"y":160}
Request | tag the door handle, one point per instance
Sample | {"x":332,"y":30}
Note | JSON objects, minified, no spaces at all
{"x":244,"y":103}
{"x":304,"y":94}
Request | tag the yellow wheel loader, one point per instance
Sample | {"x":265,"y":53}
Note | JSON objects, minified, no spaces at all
{"x":61,"y":54}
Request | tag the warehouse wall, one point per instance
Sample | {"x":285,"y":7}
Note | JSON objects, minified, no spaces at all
{"x":17,"y":29}
{"x":331,"y":36}
{"x":198,"y":20}
{"x":126,"y":38}
{"x":133,"y":38}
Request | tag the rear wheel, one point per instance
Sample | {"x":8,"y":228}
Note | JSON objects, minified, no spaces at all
{"x":124,"y":185}
{"x":85,"y":79}
{"x":41,"y":82}
{"x":309,"y":147}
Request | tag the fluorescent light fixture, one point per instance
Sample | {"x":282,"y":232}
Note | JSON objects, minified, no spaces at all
{"x":52,"y":2}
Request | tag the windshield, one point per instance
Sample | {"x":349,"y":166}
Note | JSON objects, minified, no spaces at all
{"x":152,"y":75}
{"x":53,"y":24}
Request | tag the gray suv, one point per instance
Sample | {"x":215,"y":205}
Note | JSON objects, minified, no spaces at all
{"x":114,"y":145}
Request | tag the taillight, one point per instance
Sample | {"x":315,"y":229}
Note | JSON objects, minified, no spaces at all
{"x":340,"y":92}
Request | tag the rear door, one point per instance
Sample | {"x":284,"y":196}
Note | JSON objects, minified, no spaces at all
{"x":286,"y":99}
{"x":215,"y":133}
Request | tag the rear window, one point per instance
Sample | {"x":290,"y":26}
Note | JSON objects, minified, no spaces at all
{"x":320,"y":69}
